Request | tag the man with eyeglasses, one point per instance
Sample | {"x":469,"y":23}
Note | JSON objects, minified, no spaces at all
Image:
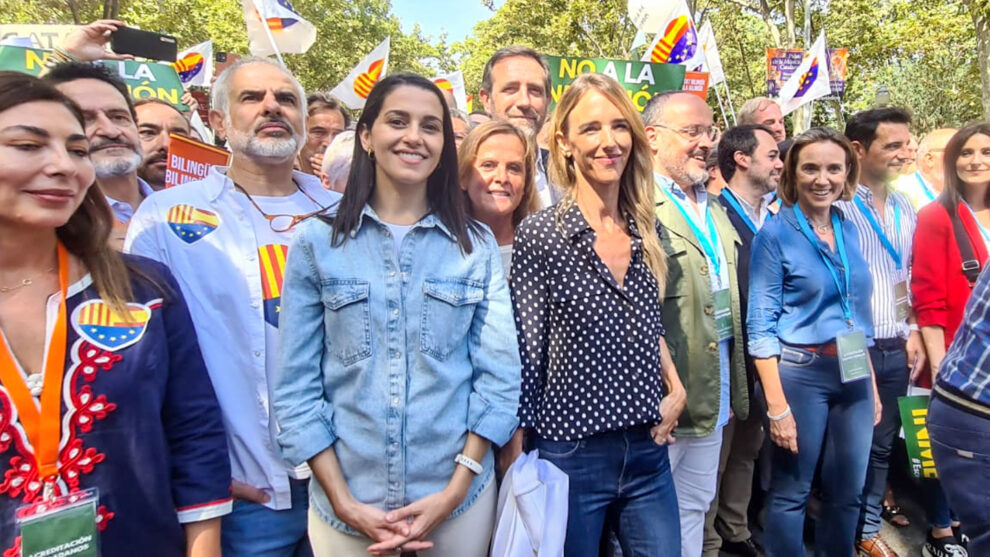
{"x":325,"y":119}
{"x":701,"y":304}
{"x":225,"y":238}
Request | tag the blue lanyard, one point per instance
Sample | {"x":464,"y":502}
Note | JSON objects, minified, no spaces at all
{"x":894,"y":254}
{"x":840,"y":246}
{"x":924,"y":186}
{"x":986,"y":235}
{"x":707,"y":242}
{"x":734,"y":203}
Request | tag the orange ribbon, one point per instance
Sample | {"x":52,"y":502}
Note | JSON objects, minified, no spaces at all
{"x":43,"y":427}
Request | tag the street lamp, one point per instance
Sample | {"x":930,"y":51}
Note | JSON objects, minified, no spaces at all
{"x":883,"y":96}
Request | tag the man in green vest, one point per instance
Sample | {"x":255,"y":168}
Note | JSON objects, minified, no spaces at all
{"x":701,"y":304}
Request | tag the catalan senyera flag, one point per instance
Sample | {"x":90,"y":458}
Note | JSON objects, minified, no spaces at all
{"x":271,"y":258}
{"x":809,"y":81}
{"x":454,"y":82}
{"x":677,"y":41}
{"x":354,"y":89}
{"x":713,"y":62}
{"x":292,"y":34}
{"x":195,"y":65}
{"x":190,"y":224}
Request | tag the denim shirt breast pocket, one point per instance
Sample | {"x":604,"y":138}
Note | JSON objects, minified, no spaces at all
{"x":348,"y":319}
{"x":448,"y":309}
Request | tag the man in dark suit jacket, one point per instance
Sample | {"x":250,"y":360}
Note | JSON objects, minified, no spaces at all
{"x":748,"y":158}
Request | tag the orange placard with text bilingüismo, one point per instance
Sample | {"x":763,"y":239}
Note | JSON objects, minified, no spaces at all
{"x":190,"y":160}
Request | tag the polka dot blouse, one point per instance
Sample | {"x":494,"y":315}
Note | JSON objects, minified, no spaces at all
{"x":590,"y":349}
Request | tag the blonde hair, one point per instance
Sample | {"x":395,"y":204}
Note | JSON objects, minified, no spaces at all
{"x":636,"y":186}
{"x":530,"y":202}
{"x":747,"y":113}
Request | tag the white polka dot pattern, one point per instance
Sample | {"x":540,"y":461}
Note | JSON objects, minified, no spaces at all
{"x":590,"y":350}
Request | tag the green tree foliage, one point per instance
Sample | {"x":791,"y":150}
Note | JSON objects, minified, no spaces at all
{"x":346,"y":31}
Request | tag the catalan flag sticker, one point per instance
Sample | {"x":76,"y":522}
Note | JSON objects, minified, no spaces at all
{"x":98,"y":324}
{"x":271,"y":258}
{"x":191,"y":224}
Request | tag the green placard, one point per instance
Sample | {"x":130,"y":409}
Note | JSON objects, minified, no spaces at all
{"x":642,"y":80}
{"x":145,"y":80}
{"x":71,"y":531}
{"x":914,"y":411}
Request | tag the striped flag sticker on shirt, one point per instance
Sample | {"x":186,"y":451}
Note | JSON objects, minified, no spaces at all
{"x":96,"y":322}
{"x":271,"y":258}
{"x":191,"y":224}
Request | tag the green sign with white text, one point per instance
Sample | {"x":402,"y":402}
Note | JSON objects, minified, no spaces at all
{"x":642,"y":80}
{"x":145,"y":80}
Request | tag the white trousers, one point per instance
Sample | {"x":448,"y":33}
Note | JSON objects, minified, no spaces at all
{"x":694,"y":464}
{"x":466,"y":535}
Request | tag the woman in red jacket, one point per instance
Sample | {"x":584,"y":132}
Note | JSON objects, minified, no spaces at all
{"x":939,"y":287}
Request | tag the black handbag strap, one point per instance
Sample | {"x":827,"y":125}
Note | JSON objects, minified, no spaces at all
{"x":970,"y":265}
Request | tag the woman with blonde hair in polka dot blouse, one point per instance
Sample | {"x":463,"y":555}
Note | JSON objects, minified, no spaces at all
{"x":600,"y":395}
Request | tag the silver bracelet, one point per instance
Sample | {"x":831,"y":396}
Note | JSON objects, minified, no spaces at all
{"x":782,"y":415}
{"x":470,"y":464}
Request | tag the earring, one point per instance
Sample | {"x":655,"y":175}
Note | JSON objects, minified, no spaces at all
{"x":371,"y":153}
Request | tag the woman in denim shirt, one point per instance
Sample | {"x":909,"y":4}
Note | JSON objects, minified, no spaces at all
{"x":587,"y":275}
{"x":398,"y":350}
{"x":810,"y":308}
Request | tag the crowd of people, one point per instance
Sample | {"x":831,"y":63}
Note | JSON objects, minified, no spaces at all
{"x":339,"y":343}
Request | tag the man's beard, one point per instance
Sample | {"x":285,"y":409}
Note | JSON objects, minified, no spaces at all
{"x":114,"y":167}
{"x":681,"y":173}
{"x":276,"y":148}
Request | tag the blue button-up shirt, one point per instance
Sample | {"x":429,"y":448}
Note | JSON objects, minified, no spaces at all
{"x":392,"y":358}
{"x":122,"y":210}
{"x":792,"y":296}
{"x":964,"y":377}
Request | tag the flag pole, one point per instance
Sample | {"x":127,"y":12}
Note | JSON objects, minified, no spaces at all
{"x":720,"y":105}
{"x":271,"y":38}
{"x":732,"y":108}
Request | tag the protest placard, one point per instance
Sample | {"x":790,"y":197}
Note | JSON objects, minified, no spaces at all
{"x":914,"y":411}
{"x":144,"y":80}
{"x":190,"y":160}
{"x":41,"y":36}
{"x":641,"y":80}
{"x":781,"y":63}
{"x":697,"y":83}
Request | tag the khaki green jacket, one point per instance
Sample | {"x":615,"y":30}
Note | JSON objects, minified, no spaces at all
{"x":689,"y":318}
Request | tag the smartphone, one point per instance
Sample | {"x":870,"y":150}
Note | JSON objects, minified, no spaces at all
{"x":144,"y":44}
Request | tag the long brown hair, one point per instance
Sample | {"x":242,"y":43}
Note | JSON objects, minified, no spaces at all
{"x":466,"y":155}
{"x":86,"y":233}
{"x":954,"y":188}
{"x":636,"y":186}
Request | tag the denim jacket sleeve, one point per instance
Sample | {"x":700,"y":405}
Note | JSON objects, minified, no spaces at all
{"x":529,"y":300}
{"x":303,"y":413}
{"x":494,"y":398}
{"x":766,"y":285}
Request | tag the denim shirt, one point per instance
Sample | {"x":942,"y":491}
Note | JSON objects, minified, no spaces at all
{"x":792,"y":296}
{"x":392,"y":359}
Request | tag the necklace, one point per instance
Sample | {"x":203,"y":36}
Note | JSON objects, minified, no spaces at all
{"x":24,"y":282}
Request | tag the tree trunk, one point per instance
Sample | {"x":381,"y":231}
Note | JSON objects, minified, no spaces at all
{"x":75,"y":11}
{"x":980,"y":10}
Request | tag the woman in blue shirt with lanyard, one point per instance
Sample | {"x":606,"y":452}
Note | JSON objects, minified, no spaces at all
{"x":810,"y":324}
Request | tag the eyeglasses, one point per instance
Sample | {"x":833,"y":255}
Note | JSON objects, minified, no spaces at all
{"x":283,"y":223}
{"x":693,"y":133}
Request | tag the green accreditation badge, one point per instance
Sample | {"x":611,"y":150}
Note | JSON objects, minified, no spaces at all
{"x":61,"y":527}
{"x":723,"y":314}
{"x":854,"y":363}
{"x":901,"y":301}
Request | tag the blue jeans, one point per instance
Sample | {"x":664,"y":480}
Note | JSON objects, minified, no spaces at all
{"x":834,"y":421}
{"x":893,"y":375}
{"x":622,"y":478}
{"x":254,"y":530}
{"x":961,"y":448}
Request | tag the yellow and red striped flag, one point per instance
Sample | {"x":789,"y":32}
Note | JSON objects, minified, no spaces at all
{"x":354,"y":89}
